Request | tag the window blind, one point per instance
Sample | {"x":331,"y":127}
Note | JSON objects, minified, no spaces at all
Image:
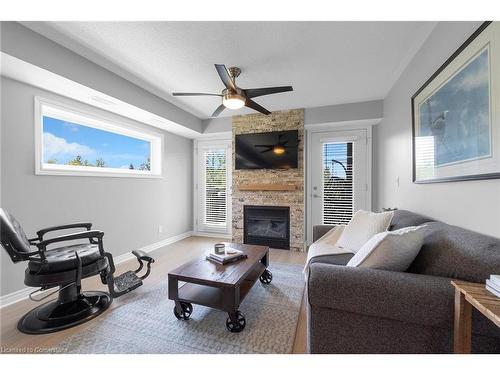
{"x":338,"y":196}
{"x":215,"y":188}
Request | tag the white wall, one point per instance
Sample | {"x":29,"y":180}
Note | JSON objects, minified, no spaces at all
{"x":470,"y":204}
{"x":128,"y":210}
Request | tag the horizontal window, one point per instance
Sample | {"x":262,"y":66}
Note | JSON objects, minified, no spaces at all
{"x":70,"y":142}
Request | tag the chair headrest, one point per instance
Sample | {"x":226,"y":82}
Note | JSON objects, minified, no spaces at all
{"x":12,"y":235}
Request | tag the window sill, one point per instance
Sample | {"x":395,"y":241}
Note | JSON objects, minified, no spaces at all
{"x":83,"y":173}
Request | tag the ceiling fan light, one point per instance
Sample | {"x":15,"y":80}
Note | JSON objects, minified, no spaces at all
{"x":278,"y":150}
{"x":233,"y":100}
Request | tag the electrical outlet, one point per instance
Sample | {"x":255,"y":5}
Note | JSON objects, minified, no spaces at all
{"x":160,"y":228}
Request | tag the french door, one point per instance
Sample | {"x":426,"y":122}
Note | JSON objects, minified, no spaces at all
{"x":339,"y":184}
{"x":213,"y":188}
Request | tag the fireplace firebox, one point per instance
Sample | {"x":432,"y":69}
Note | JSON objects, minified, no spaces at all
{"x":267,"y":225}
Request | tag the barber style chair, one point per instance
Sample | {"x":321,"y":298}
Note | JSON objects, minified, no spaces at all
{"x":64,"y":267}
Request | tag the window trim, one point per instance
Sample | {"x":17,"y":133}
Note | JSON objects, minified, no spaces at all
{"x":66,"y":112}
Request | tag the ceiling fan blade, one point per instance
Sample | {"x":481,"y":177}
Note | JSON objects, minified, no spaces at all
{"x":194,"y":94}
{"x":225,"y":77}
{"x":251,"y":104}
{"x":252,"y":93}
{"x":218,"y":111}
{"x":271,"y":146}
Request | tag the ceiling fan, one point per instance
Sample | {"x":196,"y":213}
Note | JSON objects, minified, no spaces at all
{"x":234,"y":97}
{"x":278,"y":148}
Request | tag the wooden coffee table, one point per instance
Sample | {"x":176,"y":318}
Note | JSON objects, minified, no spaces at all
{"x":221,"y":287}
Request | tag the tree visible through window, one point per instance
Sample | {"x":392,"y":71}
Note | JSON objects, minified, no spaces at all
{"x":68,"y":143}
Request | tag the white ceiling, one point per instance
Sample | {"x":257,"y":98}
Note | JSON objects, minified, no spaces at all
{"x":325,"y":62}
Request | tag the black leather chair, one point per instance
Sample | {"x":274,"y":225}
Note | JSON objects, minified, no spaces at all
{"x":64,"y":267}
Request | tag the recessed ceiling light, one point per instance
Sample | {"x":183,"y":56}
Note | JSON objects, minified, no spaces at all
{"x":102,"y":100}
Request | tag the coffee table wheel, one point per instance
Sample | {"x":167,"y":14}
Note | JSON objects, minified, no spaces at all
{"x":266,"y":277}
{"x":236,"y":323}
{"x":187,"y":309}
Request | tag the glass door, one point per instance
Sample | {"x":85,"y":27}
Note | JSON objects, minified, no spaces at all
{"x":214,"y":187}
{"x":339,"y":177}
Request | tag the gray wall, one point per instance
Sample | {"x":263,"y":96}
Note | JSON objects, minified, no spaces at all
{"x":472,"y":204}
{"x":345,"y":112}
{"x":317,"y":115}
{"x":128,"y":210}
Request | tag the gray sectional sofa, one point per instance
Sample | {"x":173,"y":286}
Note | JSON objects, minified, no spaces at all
{"x":361,"y":310}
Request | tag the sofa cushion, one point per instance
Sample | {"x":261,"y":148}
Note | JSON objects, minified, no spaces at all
{"x":458,"y":253}
{"x":403,"y":219}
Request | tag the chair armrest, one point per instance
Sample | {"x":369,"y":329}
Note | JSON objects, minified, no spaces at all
{"x":70,"y":237}
{"x":42,"y":232}
{"x":139,"y":254}
{"x":320,"y":230}
{"x":411,"y":298}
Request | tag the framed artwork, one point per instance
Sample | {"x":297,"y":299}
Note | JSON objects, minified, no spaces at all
{"x":456,"y":114}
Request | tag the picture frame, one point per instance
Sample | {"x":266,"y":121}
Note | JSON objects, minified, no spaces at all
{"x":456,"y":114}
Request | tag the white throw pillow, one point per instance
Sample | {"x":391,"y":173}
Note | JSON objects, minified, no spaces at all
{"x":363,"y":226}
{"x":392,"y":251}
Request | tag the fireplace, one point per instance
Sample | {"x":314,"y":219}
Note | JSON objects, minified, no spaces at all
{"x":267,"y":225}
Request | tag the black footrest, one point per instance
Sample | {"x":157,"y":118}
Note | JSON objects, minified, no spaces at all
{"x":127,"y":282}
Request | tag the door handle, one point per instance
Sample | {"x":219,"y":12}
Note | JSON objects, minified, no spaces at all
{"x":316,"y":196}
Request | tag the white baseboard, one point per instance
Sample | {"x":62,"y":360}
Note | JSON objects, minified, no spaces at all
{"x":14,"y":297}
{"x":214,"y":235}
{"x":19,"y":295}
{"x":155,"y":246}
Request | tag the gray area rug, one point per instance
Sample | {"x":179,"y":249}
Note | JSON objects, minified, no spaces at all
{"x":146,"y":323}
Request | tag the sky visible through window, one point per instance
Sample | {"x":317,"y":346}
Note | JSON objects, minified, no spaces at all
{"x":337,"y":152}
{"x":73,"y":144}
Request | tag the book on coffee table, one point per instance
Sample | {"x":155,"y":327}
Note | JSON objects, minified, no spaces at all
{"x":231,"y":255}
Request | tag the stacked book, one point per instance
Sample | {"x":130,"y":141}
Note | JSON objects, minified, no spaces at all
{"x":493,"y":285}
{"x":231,"y":255}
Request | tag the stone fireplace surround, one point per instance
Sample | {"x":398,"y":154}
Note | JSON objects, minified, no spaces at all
{"x":294,"y":199}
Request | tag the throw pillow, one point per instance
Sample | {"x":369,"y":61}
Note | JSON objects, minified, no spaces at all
{"x":391,"y":251}
{"x":363,"y":226}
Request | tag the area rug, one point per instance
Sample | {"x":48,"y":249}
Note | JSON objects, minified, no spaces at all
{"x":146,"y":323}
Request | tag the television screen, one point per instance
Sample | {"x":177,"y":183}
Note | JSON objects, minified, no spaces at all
{"x":276,"y":150}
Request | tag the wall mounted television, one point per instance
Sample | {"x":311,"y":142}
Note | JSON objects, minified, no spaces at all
{"x":275,"y":150}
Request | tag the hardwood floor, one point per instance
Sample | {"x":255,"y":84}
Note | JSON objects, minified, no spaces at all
{"x":167,"y":258}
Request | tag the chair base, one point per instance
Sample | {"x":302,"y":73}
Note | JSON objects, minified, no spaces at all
{"x":57,"y":315}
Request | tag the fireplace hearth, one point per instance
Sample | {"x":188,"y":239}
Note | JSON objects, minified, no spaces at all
{"x":267,"y":225}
